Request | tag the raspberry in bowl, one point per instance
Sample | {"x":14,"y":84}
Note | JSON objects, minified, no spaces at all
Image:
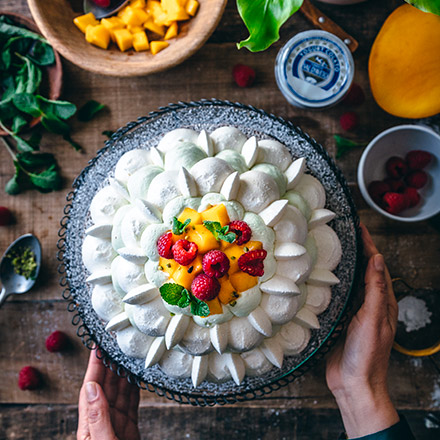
{"x":399,"y":173}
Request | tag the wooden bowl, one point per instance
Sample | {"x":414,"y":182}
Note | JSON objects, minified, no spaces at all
{"x":55,"y":20}
{"x":52,"y":83}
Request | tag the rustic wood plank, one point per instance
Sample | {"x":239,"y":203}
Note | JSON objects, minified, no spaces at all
{"x":59,"y":422}
{"x":411,"y":251}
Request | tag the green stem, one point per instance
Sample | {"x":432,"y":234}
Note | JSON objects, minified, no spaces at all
{"x":14,"y":157}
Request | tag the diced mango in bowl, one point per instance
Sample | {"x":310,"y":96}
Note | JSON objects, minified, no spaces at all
{"x":142,"y":25}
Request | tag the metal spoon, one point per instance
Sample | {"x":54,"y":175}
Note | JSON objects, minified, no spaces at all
{"x":14,"y":284}
{"x":99,"y":12}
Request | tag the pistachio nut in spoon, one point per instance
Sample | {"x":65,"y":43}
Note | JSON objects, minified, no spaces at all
{"x":13,"y":283}
{"x":103,"y":12}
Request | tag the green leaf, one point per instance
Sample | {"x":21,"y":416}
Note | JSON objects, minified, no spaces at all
{"x":47,"y":180}
{"x":13,"y":187}
{"x":27,"y":103}
{"x":172,"y":293}
{"x":30,"y":159}
{"x":179,"y":227}
{"x":42,"y":54}
{"x":60,"y":109}
{"x":35,"y":139}
{"x":344,"y":145}
{"x":432,"y":6}
{"x":263,"y":19}
{"x":199,"y":308}
{"x":219,"y":232}
{"x":30,"y":76}
{"x":22,"y":145}
{"x":88,"y":111}
{"x":18,"y":122}
{"x":185,"y":300}
{"x":53,"y":124}
{"x":17,"y":31}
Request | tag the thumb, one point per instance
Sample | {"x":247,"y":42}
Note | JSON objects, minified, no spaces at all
{"x":98,"y":413}
{"x":376,"y":288}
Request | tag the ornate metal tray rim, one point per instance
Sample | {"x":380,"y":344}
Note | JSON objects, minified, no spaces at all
{"x":196,"y":399}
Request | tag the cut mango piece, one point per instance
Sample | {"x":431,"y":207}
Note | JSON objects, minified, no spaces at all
{"x":85,"y":20}
{"x":157,"y":46}
{"x":191,"y":7}
{"x":112,"y":24}
{"x":183,"y":277}
{"x":233,"y":253}
{"x":217,"y":213}
{"x":188,"y":213}
{"x":204,"y":239}
{"x":227,"y":291}
{"x":215,"y":308}
{"x":124,"y":39}
{"x":172,"y":31}
{"x":140,"y":41}
{"x":196,"y":265}
{"x":168,"y":266}
{"x":242,"y":281}
{"x":134,"y":16}
{"x":252,"y":246}
{"x":98,"y":35}
{"x":137,"y":3}
{"x":135,"y":29}
{"x":153,"y":27}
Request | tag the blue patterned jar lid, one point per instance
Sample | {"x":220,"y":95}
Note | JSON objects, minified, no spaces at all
{"x":314,"y":69}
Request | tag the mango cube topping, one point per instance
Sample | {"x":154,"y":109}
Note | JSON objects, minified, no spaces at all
{"x":158,"y":17}
{"x":234,"y":281}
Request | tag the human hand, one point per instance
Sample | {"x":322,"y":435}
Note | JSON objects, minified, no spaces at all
{"x":357,"y":368}
{"x":108,"y":405}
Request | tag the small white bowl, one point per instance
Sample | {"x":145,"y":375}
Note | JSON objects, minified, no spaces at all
{"x":398,"y":141}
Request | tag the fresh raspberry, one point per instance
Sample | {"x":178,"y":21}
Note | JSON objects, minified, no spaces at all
{"x":396,"y":185}
{"x":418,"y":159}
{"x":164,"y":245}
{"x":102,"y":3}
{"x":349,"y":121}
{"x":29,"y":378}
{"x":184,"y":252}
{"x":355,"y":96}
{"x":377,"y":189}
{"x":412,"y":196}
{"x":241,"y":230}
{"x":205,"y":288}
{"x":215,"y":264}
{"x":394,"y":203}
{"x":5,"y":216}
{"x":57,"y":341}
{"x":396,"y":167}
{"x":252,"y":262}
{"x":243,"y":75}
{"x":416,"y":179}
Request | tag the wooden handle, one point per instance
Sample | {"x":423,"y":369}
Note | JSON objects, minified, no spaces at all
{"x":316,"y":17}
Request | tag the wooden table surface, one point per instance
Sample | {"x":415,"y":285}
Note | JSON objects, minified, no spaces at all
{"x":304,"y":409}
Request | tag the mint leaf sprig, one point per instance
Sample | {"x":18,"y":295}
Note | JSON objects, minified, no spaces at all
{"x":344,"y":145}
{"x":33,"y":170}
{"x":177,"y":295}
{"x":219,"y":232}
{"x":179,"y":227}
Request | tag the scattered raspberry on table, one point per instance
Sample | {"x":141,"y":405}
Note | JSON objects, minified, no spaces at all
{"x":57,"y":341}
{"x":29,"y":378}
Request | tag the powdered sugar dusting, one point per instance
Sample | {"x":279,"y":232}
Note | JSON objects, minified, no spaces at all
{"x":413,"y":313}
